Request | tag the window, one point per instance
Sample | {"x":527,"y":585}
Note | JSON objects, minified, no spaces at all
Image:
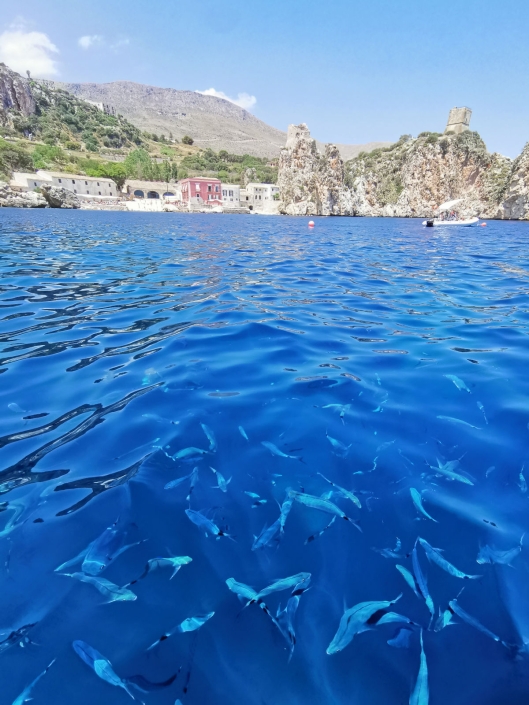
{"x":98,"y":183}
{"x":35,"y":183}
{"x":87,"y":191}
{"x":231,"y":193}
{"x":216,"y":188}
{"x":111,"y":193}
{"x":60,"y":181}
{"x":75,"y":190}
{"x":73,"y":182}
{"x":86,"y":183}
{"x":209,"y":187}
{"x":224,"y":193}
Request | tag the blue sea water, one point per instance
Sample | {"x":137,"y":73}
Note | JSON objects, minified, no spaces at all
{"x":122,"y":333}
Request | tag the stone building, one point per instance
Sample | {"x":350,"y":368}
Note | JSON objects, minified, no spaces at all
{"x":150,"y":189}
{"x":458,"y":120}
{"x":200,"y":190}
{"x":85,"y":186}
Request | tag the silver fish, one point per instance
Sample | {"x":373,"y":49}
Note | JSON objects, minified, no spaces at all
{"x":191,"y":624}
{"x":267,"y":536}
{"x":285,"y":511}
{"x":189,"y":452}
{"x":203,"y":522}
{"x":434,"y":556}
{"x":388,"y":552}
{"x":417,"y":501}
{"x":458,"y":383}
{"x":482,"y":409}
{"x":354,"y":621}
{"x":24,"y":696}
{"x":113,"y":592}
{"x":17,"y":636}
{"x":243,"y":433}
{"x":100,"y":665}
{"x":211,"y":438}
{"x":243,"y":591}
{"x":458,"y":421}
{"x":253,"y":495}
{"x":444,"y":620}
{"x":222,"y":484}
{"x":487,"y":554}
{"x":175,"y":562}
{"x":421,"y":580}
{"x":340,"y":448}
{"x":285,"y":618}
{"x":346,"y":493}
{"x":421,"y":694}
{"x":456,"y":609}
{"x":275,"y":451}
{"x":179,"y":480}
{"x":447,"y":469}
{"x":342,"y":408}
{"x":522,"y":484}
{"x":409,"y":578}
{"x":283,"y":584}
{"x":312,"y":537}
{"x":401,"y":640}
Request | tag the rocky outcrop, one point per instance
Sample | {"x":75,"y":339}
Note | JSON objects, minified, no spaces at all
{"x":414,"y":176}
{"x":311,"y":183}
{"x":20,"y":199}
{"x":15,"y":95}
{"x":58,"y":197}
{"x":515,"y":204}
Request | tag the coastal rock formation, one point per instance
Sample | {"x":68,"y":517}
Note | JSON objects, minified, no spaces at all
{"x":515,"y":203}
{"x":58,"y":197}
{"x":311,"y":183}
{"x":20,"y":199}
{"x":413,"y":176}
{"x":15,"y":95}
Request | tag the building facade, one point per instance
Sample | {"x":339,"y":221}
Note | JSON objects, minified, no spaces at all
{"x":200,"y":190}
{"x":258,"y":196}
{"x":149,"y":189}
{"x":87,"y":186}
{"x":231,"y":195}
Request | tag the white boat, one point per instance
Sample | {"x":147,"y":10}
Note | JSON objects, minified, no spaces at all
{"x":465,"y":223}
{"x":447,"y":208}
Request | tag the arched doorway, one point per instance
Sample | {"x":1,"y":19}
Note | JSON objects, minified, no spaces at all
{"x":139,"y":194}
{"x":153,"y":194}
{"x":168,"y":193}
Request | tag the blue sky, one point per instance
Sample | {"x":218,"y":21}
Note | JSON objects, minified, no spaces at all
{"x":355,"y":72}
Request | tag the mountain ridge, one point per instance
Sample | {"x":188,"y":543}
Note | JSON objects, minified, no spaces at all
{"x":212,"y":122}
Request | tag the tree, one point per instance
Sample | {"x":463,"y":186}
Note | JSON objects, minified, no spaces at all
{"x":186,"y":139}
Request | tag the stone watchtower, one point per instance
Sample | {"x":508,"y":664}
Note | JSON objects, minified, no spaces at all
{"x":458,"y":120}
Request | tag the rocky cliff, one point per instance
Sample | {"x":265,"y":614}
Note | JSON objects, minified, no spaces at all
{"x":515,"y":201}
{"x":410,"y":178}
{"x":312,"y":183}
{"x":414,"y":176}
{"x":15,"y":95}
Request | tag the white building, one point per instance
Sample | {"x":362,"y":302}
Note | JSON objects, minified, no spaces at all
{"x":87,"y":186}
{"x":231,"y":195}
{"x":152,"y":189}
{"x":259,"y":196}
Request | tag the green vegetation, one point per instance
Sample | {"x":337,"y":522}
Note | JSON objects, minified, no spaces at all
{"x":229,"y":167}
{"x":186,"y":139}
{"x":13,"y":158}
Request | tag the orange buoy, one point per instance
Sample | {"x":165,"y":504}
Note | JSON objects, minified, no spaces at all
{"x":311,"y":223}
{"x":483,"y":225}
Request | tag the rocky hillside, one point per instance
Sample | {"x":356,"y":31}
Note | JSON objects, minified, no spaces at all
{"x":212,"y":122}
{"x":33,"y":109}
{"x":408,"y":179}
{"x":312,"y":183}
{"x":412,"y":177}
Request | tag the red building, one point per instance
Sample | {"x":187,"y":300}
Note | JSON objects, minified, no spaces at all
{"x":202,"y":190}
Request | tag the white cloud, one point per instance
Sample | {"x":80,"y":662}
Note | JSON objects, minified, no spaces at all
{"x":119,"y":43}
{"x":28,"y":51}
{"x":243,"y":100}
{"x":89,"y":40}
